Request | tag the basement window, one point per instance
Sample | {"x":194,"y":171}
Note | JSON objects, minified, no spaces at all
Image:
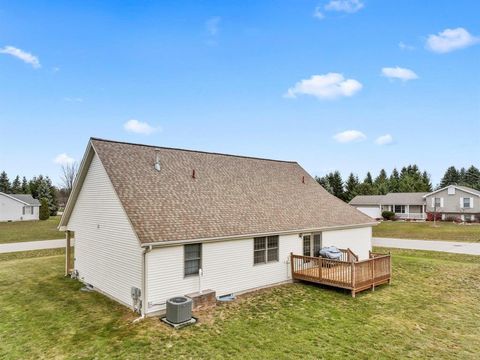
{"x":192,"y":259}
{"x":265,"y":249}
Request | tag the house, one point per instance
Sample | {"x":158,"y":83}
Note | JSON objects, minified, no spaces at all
{"x":18,"y":207}
{"x":454,"y":202}
{"x":407,"y":206}
{"x":152,"y":222}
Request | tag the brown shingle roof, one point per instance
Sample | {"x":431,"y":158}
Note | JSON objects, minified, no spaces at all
{"x":230,"y":195}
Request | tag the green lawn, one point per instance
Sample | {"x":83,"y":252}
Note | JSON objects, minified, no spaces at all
{"x":431,"y":310}
{"x":20,"y":231}
{"x":426,"y":231}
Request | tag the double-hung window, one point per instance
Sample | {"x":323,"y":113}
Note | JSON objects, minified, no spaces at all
{"x":192,"y":259}
{"x":437,"y":202}
{"x":466,"y":203}
{"x":265,"y":249}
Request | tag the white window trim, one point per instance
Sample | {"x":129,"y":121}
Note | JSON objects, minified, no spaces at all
{"x":266,"y":250}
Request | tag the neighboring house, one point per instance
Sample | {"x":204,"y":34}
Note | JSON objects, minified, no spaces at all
{"x":454,"y":202}
{"x":408,"y":206}
{"x":150,"y":218}
{"x":18,"y":207}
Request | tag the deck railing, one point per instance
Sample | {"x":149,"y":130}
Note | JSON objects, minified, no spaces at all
{"x":352,"y":275}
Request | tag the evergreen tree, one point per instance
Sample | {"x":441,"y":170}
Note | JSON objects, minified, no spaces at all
{"x":323,"y":181}
{"x":41,"y":187}
{"x":472,"y":177}
{"x":336,"y":183}
{"x":426,"y":182}
{"x":44,"y":209}
{"x":4,"y":183}
{"x":351,"y":187}
{"x":365,"y":189}
{"x":25,"y":189}
{"x":368,"y":179}
{"x":16,"y":186}
{"x":381,"y":183}
{"x":451,"y":177}
{"x":394,"y":181}
{"x":461,"y":176}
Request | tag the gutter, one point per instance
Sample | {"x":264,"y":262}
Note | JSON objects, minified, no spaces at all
{"x":248,"y":236}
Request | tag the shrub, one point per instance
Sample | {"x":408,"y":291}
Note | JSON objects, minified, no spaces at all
{"x":44,"y":210}
{"x":388,"y":215}
{"x":437,"y":216}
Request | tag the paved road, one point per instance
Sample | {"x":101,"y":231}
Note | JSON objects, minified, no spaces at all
{"x":32,"y":245}
{"x":432,"y":245}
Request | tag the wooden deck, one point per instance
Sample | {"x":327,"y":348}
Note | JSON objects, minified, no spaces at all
{"x":348,"y":273}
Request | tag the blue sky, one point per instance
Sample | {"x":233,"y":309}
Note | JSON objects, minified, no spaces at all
{"x":314,"y":81}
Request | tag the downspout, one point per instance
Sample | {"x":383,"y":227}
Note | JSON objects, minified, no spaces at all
{"x":146,"y":250}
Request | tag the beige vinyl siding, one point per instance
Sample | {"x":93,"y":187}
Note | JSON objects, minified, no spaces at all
{"x":358,"y":240}
{"x":107,"y":252}
{"x":228,"y":265}
{"x":451,"y":203}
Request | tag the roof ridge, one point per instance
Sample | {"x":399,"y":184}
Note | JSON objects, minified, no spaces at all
{"x":193,"y":151}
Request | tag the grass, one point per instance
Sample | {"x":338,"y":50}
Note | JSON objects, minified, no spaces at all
{"x":426,"y":231}
{"x":431,"y":310}
{"x":21,"y":231}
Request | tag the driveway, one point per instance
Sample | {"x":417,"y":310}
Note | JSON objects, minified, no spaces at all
{"x":431,"y":245}
{"x":32,"y":245}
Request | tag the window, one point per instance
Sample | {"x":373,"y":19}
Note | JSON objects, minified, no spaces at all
{"x":437,"y":203}
{"x":400,"y":209}
{"x":466,"y":203}
{"x":306,"y":245}
{"x":265,"y":249}
{"x":193,"y":259}
{"x":317,"y":244}
{"x":27,"y":210}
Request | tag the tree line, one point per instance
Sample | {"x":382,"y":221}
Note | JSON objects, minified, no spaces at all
{"x":409,"y":179}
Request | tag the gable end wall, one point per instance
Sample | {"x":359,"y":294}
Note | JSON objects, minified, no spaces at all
{"x":107,"y":252}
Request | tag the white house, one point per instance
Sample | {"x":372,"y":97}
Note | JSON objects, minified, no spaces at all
{"x":150,"y":218}
{"x":18,"y":207}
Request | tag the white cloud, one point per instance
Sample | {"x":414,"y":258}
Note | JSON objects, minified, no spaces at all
{"x":317,"y":13}
{"x":213,"y":25}
{"x":405,"y":47}
{"x":139,"y":127}
{"x":450,"y":40}
{"x":348,"y":6}
{"x":399,"y":73}
{"x":63,"y":159}
{"x":22,"y":55}
{"x":328,"y":86}
{"x":384,"y":140}
{"x":349,"y":136}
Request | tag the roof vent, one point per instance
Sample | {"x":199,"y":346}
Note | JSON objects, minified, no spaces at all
{"x":157,"y":160}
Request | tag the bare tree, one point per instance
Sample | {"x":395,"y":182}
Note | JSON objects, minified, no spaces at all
{"x":69,"y":173}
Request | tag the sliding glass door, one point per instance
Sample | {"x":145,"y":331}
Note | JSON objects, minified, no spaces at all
{"x":312,"y":243}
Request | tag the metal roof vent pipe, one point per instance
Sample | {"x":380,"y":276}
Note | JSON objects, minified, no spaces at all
{"x":157,"y":160}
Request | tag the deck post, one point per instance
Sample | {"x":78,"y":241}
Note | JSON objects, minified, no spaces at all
{"x":291,"y":264}
{"x":352,"y":265}
{"x":68,"y":250}
{"x":373,"y":274}
{"x":390,"y":263}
